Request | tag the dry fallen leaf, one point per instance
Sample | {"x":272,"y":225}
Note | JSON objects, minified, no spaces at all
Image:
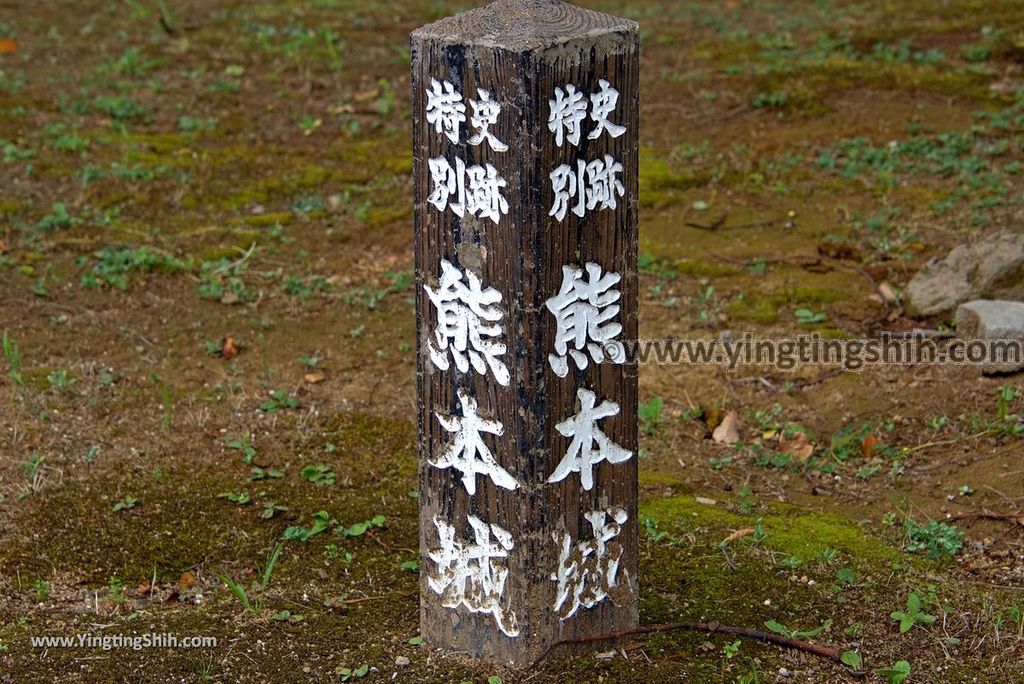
{"x":8,"y":47}
{"x":314,"y":378}
{"x":704,"y":501}
{"x":229,"y":348}
{"x":186,"y":581}
{"x":867,"y":447}
{"x":799,"y":447}
{"x":726,"y":432}
{"x":366,"y":96}
{"x":887,"y":292}
{"x":739,"y":534}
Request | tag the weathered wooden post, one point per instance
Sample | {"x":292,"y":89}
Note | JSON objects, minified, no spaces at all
{"x":525,"y":135}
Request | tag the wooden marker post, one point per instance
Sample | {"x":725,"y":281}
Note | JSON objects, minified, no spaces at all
{"x":525,"y":135}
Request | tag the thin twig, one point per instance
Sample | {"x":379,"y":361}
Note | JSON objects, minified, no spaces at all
{"x":165,"y":25}
{"x":947,"y":442}
{"x":715,"y":225}
{"x":400,"y":594}
{"x":988,"y":515}
{"x":709,"y":627}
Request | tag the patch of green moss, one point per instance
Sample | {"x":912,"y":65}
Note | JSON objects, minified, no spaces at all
{"x":270,"y":218}
{"x":368,"y":156}
{"x":764,"y":306}
{"x":789,"y":529}
{"x":810,"y":294}
{"x":807,"y":88}
{"x":658,"y":181}
{"x":10,"y":207}
{"x":704,"y":269}
{"x":377,"y":217}
{"x":754,"y":307}
{"x":281,"y":185}
{"x":649,"y":478}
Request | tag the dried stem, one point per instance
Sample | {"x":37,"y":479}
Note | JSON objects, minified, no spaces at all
{"x":709,"y":627}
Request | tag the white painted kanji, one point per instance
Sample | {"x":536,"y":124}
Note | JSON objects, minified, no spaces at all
{"x":584,"y":308}
{"x":448,"y":182}
{"x":565,"y":185}
{"x":476,"y":190}
{"x":483,"y":195}
{"x":581,"y":456}
{"x":445,"y":109}
{"x":603,"y":184}
{"x":605,"y":102}
{"x":468,"y":324}
{"x":588,"y":571}
{"x":467,"y":452}
{"x":473,"y":573}
{"x":591,"y":185}
{"x":568,"y":111}
{"x":485,"y":115}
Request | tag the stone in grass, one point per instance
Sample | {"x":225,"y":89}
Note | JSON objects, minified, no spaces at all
{"x":992,"y":267}
{"x":993,"y":320}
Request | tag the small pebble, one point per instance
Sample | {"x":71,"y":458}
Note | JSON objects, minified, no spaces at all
{"x":401,"y":661}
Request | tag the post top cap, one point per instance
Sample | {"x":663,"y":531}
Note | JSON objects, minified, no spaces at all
{"x":523,"y":25}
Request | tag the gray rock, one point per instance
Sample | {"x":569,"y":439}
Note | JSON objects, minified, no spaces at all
{"x":995,"y":320}
{"x":401,"y":661}
{"x":992,"y":268}
{"x":990,"y":319}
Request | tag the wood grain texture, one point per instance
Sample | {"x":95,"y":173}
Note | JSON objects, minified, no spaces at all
{"x":522,"y":257}
{"x":523,"y":25}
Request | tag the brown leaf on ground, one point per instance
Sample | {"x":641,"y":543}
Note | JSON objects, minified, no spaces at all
{"x":186,"y":581}
{"x":799,"y":446}
{"x":314,"y":378}
{"x":8,"y":47}
{"x":727,"y":432}
{"x":885,"y":294}
{"x":867,"y":447}
{"x":739,"y":534}
{"x":229,"y":348}
{"x":888,"y":292}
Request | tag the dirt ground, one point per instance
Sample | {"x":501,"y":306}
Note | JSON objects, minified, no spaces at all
{"x":206,"y":297}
